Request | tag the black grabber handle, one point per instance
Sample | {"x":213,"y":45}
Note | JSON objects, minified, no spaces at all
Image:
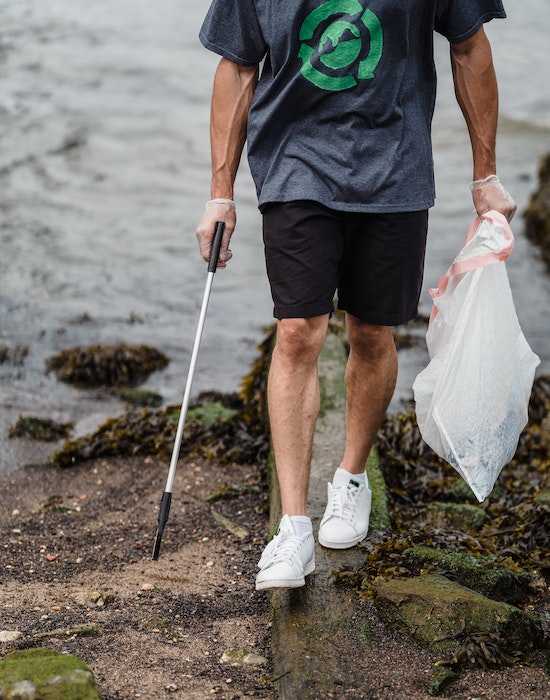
{"x":216,"y":245}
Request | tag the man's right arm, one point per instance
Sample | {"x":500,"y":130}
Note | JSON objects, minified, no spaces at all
{"x":234,"y":87}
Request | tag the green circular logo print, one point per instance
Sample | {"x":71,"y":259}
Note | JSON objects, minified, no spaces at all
{"x":341,"y":44}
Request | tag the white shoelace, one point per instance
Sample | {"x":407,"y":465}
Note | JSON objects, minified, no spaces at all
{"x":344,"y":502}
{"x":283,"y":547}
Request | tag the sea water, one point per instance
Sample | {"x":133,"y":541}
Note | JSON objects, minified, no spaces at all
{"x":104,"y":171}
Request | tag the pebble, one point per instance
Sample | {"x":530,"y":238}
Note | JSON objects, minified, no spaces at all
{"x":236,"y":657}
{"x":10,"y":635}
{"x":254,"y":660}
{"x":147,"y":587}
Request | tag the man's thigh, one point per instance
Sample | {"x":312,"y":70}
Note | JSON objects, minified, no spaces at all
{"x":304,"y":244}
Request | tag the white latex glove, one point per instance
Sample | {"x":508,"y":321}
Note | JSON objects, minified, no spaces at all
{"x":217,"y":210}
{"x":489,"y":194}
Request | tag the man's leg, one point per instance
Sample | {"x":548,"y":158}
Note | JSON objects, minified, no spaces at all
{"x":371,"y":374}
{"x":294,"y":401}
{"x":370,"y":382}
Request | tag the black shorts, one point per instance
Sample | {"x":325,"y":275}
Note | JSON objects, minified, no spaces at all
{"x":374,"y":262}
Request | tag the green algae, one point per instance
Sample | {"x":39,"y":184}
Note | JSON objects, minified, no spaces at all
{"x":140,"y":397}
{"x":380,"y":518}
{"x":211,"y":413}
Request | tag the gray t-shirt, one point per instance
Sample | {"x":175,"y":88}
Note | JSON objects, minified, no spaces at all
{"x":343,"y":109}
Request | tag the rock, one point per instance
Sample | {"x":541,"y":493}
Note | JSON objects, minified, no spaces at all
{"x":44,"y":673}
{"x":254,"y":660}
{"x":233,"y":656}
{"x":10,"y":635}
{"x":478,"y":573}
{"x":98,"y":598}
{"x":237,"y":657}
{"x":437,"y":612}
{"x":442,"y":677}
{"x":537,"y":214}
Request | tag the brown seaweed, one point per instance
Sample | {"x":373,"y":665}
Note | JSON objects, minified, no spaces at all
{"x":36,"y":428}
{"x":106,"y":365}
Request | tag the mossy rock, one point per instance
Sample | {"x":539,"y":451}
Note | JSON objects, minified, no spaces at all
{"x":438,"y":613}
{"x":44,"y":674}
{"x":460,"y":492}
{"x":380,"y":518}
{"x":460,"y":515}
{"x":480,"y":574}
{"x":442,"y":677}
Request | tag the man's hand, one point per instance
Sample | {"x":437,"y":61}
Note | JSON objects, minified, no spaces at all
{"x":477,"y":94}
{"x":217,"y":210}
{"x":489,"y":194}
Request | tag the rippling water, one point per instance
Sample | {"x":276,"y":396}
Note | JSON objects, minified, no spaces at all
{"x":104,"y":168}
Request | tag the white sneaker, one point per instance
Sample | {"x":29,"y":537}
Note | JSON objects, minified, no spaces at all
{"x":346,"y":518}
{"x":287,"y":559}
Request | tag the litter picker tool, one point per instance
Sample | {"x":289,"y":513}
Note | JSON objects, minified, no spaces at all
{"x":166,"y":499}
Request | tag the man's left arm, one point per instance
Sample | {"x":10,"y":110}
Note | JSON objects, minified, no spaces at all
{"x":477,"y":94}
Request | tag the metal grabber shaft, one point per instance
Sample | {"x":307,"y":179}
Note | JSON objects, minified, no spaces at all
{"x":166,"y":499}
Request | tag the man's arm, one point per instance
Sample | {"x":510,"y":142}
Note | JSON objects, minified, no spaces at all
{"x":234,"y":87}
{"x":477,"y":94}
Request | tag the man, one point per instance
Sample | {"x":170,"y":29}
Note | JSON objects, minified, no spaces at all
{"x":339,"y":146}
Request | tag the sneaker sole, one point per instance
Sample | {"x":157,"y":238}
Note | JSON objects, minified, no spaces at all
{"x":286,"y":583}
{"x":345,"y":544}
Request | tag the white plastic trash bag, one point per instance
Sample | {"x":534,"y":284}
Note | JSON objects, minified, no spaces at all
{"x":472,"y":398}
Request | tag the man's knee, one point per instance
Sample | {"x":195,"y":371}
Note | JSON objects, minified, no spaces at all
{"x":368,"y":340}
{"x":301,"y":339}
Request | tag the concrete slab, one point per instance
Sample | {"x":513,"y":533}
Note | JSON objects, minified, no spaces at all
{"x":313,"y":625}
